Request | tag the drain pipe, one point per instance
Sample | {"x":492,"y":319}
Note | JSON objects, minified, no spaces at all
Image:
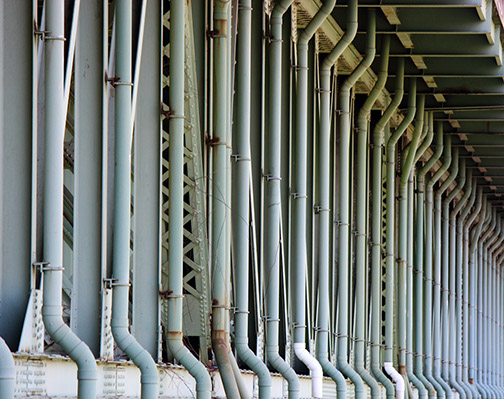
{"x":418,"y":261}
{"x":453,"y":333}
{"x":445,"y":266}
{"x":361,"y":221}
{"x":241,"y":201}
{"x":428,"y":271}
{"x":324,"y":216}
{"x":52,"y":269}
{"x":480,"y":210}
{"x":272,"y":177}
{"x":390,"y":245}
{"x":376,"y":232}
{"x":403,"y":274}
{"x":344,"y":215}
{"x":122,"y":198}
{"x":7,"y":372}
{"x":464,"y":240}
{"x":220,"y":276}
{"x":299,"y":197}
{"x":176,"y":185}
{"x":436,"y":275}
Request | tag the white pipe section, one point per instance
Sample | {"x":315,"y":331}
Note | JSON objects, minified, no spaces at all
{"x":7,"y":372}
{"x":397,"y":378}
{"x":313,"y":365}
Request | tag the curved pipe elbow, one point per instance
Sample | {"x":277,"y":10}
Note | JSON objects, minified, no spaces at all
{"x":192,"y":365}
{"x":453,"y":382}
{"x":334,"y":374}
{"x":7,"y":371}
{"x":378,"y":373}
{"x":397,"y":378}
{"x":257,"y":365}
{"x":283,"y":368}
{"x":138,"y":355}
{"x":347,"y":370}
{"x":76,"y":349}
{"x":369,"y":380}
{"x":314,"y":367}
{"x":422,"y":391}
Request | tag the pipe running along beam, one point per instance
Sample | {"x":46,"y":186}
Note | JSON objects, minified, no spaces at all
{"x":299,"y":202}
{"x":344,"y":197}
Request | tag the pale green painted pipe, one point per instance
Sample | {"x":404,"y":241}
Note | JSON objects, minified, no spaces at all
{"x":298,"y":257}
{"x":427,"y":261}
{"x":455,"y":274}
{"x":376,"y":232}
{"x":122,"y":198}
{"x":361,"y":222}
{"x":445,"y":266}
{"x":464,"y":293}
{"x":418,"y":261}
{"x":405,"y":273}
{"x":220,"y":159}
{"x":241,"y":200}
{"x":324,"y":195}
{"x":176,"y":207}
{"x":480,"y":210}
{"x":344,"y":212}
{"x":390,"y":242}
{"x":271,"y":266}
{"x":324,"y":218}
{"x":54,"y":127}
{"x":436,"y":275}
{"x":7,"y":372}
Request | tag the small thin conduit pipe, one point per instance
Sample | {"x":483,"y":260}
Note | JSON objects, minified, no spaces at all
{"x":405,"y":270}
{"x":376,"y":232}
{"x":436,"y":275}
{"x":299,"y":199}
{"x":344,"y":214}
{"x":418,"y":259}
{"x":324,"y":216}
{"x":220,"y":159}
{"x":55,"y":113}
{"x":7,"y":372}
{"x":122,"y":198}
{"x":427,"y":257}
{"x":241,"y":201}
{"x":464,"y":293}
{"x":390,"y":245}
{"x":361,"y":222}
{"x":271,"y":266}
{"x":454,"y":333}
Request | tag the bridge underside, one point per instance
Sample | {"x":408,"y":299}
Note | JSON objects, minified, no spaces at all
{"x":251,"y":198}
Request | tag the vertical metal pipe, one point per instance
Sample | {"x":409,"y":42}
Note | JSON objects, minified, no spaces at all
{"x":427,"y":261}
{"x":324,"y":222}
{"x":390,"y":244}
{"x":176,"y":186}
{"x":462,"y":242}
{"x":271,"y":266}
{"x":55,"y":113}
{"x":122,"y":206}
{"x":220,"y":158}
{"x":454,"y":275}
{"x":344,"y":214}
{"x":479,"y":210}
{"x":405,"y":274}
{"x":436,"y":281}
{"x":376,"y":232}
{"x":405,"y":264}
{"x":445,"y":267}
{"x":7,"y":372}
{"x":361,"y":221}
{"x":418,"y":261}
{"x":241,"y":200}
{"x":299,"y":198}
